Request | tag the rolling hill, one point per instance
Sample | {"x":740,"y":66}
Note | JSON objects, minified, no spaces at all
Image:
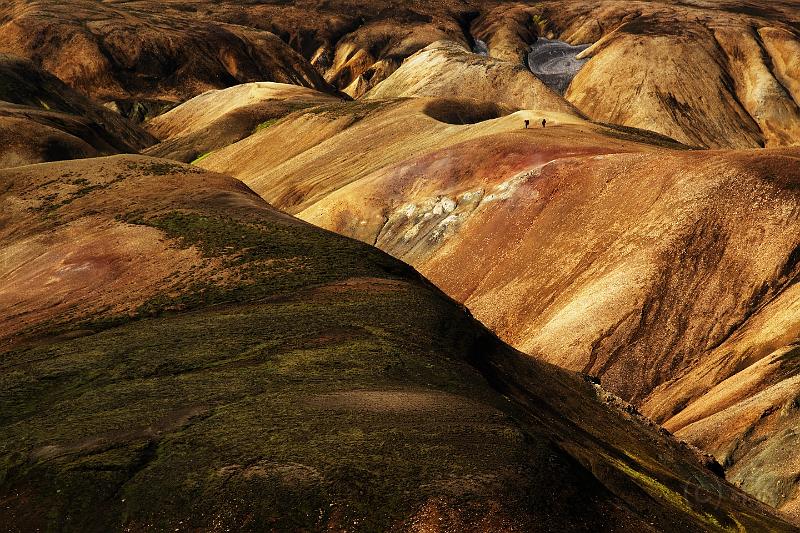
{"x":258,"y":373}
{"x":143,"y":52}
{"x":609,"y":187}
{"x":664,"y":271}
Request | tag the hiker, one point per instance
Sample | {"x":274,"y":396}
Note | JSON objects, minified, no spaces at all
{"x":544,"y":122}
{"x":527,"y":122}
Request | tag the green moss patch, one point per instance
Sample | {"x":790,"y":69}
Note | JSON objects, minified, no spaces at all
{"x":187,"y":420}
{"x":661,"y":491}
{"x":201,"y":157}
{"x":266,"y":124}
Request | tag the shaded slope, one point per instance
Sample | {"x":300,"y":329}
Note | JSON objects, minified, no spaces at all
{"x":42,"y":119}
{"x":279,"y":376}
{"x":29,"y":135}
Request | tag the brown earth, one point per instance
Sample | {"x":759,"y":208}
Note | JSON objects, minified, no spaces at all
{"x":211,"y":409}
{"x":604,"y":248}
{"x":121,"y":51}
{"x":571,"y":242}
{"x":42,"y":119}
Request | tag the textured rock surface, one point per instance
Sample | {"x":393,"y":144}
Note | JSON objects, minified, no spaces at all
{"x":445,"y":69}
{"x":578,"y":243}
{"x":257,"y":372}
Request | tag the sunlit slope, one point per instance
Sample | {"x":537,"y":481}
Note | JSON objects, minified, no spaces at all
{"x":604,"y":250}
{"x":708,"y":74}
{"x":258,"y":372}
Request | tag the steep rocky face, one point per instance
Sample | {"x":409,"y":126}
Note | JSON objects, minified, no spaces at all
{"x":144,"y":50}
{"x":256,"y":372}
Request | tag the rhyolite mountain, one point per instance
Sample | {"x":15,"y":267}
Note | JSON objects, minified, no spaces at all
{"x":181,"y":354}
{"x":669,"y":273}
{"x":177,"y":354}
{"x":708,"y":73}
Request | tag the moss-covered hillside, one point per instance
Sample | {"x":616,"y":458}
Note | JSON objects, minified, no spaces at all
{"x":257,"y":373}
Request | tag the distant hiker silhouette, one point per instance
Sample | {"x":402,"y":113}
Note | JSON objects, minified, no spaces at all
{"x":527,"y":122}
{"x":544,"y":122}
